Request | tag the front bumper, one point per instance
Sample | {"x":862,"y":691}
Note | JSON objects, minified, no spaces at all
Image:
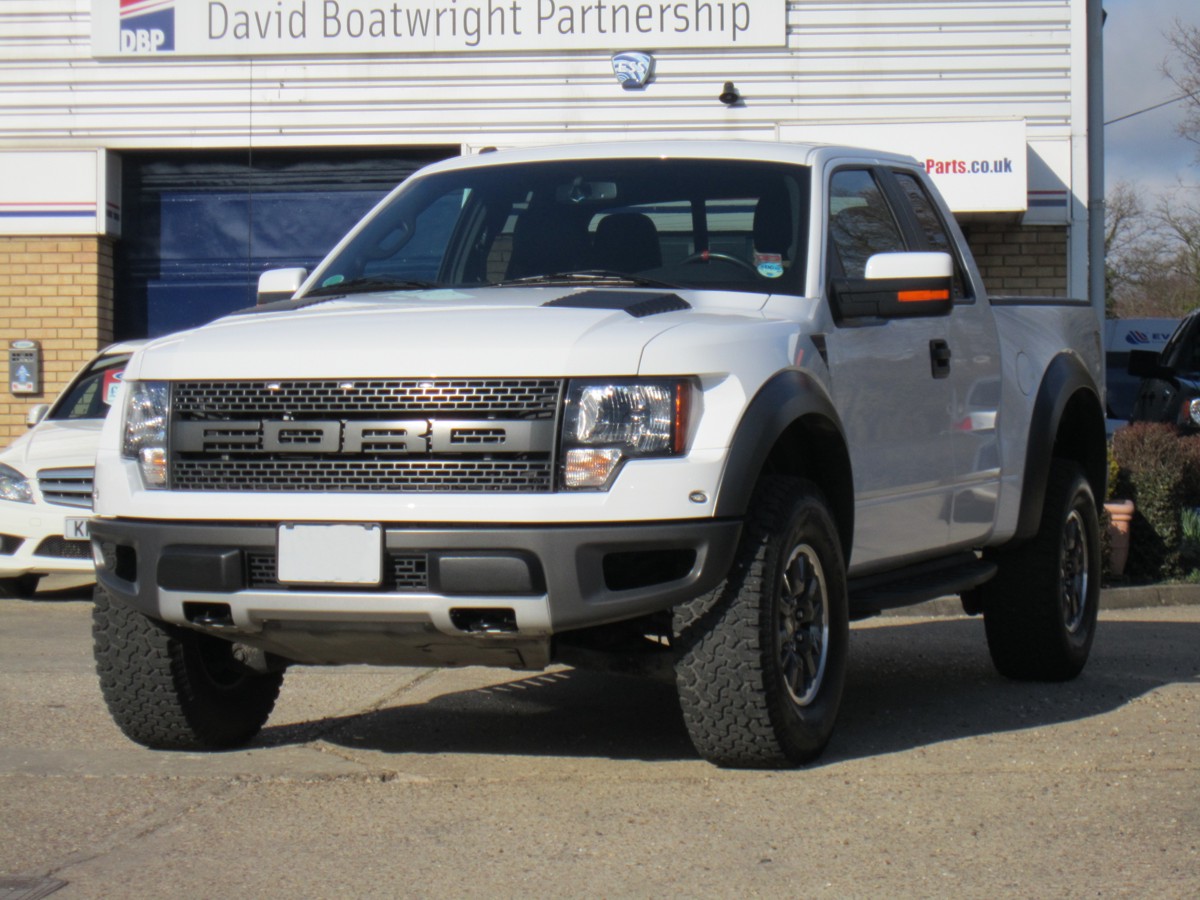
{"x":34,"y":541}
{"x":450,"y":595}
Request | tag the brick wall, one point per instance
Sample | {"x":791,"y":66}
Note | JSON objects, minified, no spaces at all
{"x":58,"y":291}
{"x":1022,"y":260}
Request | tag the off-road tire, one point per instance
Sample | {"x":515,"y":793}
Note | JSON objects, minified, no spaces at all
{"x":19,"y":587}
{"x":169,"y":688}
{"x":1039,"y":611}
{"x":761,"y":661}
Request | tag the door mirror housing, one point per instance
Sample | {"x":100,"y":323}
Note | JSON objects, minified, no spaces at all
{"x":896,"y":285}
{"x":279,"y":284}
{"x":36,"y":414}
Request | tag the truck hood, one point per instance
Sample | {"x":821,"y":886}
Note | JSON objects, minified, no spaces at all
{"x":500,"y":332}
{"x":55,"y":445}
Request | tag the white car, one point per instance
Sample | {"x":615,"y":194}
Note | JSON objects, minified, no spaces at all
{"x":46,"y":479}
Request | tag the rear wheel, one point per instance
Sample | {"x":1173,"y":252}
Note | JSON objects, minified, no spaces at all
{"x":1040,"y":610}
{"x":170,"y":688}
{"x":761,"y":661}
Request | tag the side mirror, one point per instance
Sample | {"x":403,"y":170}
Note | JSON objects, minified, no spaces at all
{"x":279,"y":284}
{"x":1146,"y":364}
{"x":36,"y":414}
{"x":896,"y":285}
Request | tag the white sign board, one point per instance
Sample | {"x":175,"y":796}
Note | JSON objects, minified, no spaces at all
{"x":977,"y":166}
{"x":167,"y":28}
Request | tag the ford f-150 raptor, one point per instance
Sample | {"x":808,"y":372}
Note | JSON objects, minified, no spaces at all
{"x":684,"y":408}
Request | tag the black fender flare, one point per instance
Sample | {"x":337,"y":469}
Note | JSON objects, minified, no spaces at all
{"x":1067,"y":398}
{"x":790,"y":398}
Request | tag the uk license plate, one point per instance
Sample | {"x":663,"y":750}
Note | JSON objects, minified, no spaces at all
{"x":75,"y":528}
{"x":330,"y":554}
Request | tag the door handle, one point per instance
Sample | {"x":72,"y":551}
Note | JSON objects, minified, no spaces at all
{"x":939,"y":358}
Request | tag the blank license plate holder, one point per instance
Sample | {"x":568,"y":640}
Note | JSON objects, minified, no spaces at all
{"x":330,"y":553}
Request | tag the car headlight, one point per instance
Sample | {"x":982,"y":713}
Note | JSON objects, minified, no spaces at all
{"x":14,"y":486}
{"x":144,"y":438}
{"x":1191,"y":413}
{"x":608,"y":422}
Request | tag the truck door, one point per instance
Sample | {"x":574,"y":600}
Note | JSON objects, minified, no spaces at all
{"x":972,"y":377}
{"x":895,"y":407}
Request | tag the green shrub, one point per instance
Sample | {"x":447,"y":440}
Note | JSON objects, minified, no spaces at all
{"x":1159,"y":470}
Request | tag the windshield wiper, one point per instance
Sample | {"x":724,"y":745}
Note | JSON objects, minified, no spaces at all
{"x":370,"y":283}
{"x":587,"y":276}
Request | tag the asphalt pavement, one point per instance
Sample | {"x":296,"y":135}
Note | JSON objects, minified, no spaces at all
{"x":943,"y":779}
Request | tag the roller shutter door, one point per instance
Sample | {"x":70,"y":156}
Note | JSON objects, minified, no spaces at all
{"x":198,"y":228}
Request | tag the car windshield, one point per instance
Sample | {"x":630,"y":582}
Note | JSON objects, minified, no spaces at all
{"x":726,"y":224}
{"x":91,"y":394}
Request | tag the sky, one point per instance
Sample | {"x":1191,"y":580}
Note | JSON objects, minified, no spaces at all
{"x":1145,"y":151}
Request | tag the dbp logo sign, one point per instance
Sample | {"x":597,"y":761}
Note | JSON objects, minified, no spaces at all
{"x":147,"y":26}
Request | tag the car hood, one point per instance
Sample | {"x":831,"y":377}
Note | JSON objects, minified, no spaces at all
{"x":500,"y":332}
{"x":55,"y":445}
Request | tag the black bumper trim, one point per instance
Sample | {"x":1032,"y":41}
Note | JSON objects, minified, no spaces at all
{"x":566,"y":562}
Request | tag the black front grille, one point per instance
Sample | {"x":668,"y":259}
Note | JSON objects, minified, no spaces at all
{"x":61,"y":548}
{"x":67,"y":487}
{"x":359,"y":475}
{"x":403,"y":573}
{"x":510,"y":398}
{"x":365,"y":435}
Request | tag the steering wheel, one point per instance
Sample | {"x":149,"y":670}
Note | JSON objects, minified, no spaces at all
{"x":708,"y":256}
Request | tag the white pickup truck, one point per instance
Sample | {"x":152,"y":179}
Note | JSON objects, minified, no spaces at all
{"x":682,"y":409}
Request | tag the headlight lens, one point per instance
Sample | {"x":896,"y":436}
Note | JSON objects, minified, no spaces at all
{"x":1192,"y":410}
{"x":14,"y":486}
{"x":147,"y":407}
{"x":608,"y":422}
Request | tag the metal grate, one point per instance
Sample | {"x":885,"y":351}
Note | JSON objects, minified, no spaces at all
{"x":61,"y":548}
{"x":67,"y":487}
{"x":404,"y":573}
{"x":428,"y":436}
{"x":360,"y":475}
{"x":522,"y":398}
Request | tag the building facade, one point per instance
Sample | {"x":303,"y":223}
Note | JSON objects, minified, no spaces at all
{"x":156,"y":155}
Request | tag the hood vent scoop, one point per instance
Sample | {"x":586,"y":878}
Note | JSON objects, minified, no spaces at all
{"x":637,"y":304}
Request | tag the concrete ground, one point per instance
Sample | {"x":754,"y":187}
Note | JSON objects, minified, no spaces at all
{"x":942,"y":780}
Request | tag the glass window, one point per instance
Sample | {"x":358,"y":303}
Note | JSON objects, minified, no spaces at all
{"x":91,"y":394}
{"x":932,"y":225}
{"x":861,"y":223}
{"x":725,"y":224}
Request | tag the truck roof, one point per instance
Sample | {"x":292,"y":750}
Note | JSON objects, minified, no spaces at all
{"x":765,"y":151}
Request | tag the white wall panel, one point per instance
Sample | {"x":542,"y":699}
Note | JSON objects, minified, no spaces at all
{"x":845,"y":61}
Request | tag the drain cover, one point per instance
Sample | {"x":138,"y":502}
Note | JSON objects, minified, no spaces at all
{"x":28,"y":888}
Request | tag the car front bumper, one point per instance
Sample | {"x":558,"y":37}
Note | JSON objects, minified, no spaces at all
{"x":34,"y":541}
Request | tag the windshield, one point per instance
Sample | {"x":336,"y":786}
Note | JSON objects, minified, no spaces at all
{"x":92,"y":392}
{"x":726,"y":224}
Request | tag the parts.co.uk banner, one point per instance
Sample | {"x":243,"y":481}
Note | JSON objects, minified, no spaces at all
{"x":199,"y":28}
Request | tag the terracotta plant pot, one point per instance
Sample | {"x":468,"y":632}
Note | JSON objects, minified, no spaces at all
{"x":1120,"y":516}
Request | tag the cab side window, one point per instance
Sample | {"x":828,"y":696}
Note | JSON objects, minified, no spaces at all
{"x":932,"y":227}
{"x":861,"y":223}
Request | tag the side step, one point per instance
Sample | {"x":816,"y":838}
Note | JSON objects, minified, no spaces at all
{"x":872,"y":594}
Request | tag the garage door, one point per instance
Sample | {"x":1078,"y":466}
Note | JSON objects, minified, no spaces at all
{"x":199,"y":228}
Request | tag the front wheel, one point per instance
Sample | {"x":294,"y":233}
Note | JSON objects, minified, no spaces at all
{"x":169,"y":688}
{"x":1040,"y":610}
{"x":761,"y":661}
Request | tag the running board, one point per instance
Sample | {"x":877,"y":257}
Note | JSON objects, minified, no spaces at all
{"x":872,"y":594}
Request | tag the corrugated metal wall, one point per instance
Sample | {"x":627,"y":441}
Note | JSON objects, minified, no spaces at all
{"x":857,"y":60}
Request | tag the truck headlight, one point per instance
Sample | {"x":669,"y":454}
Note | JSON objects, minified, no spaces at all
{"x":607,"y":422}
{"x":147,"y":408}
{"x":14,"y":486}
